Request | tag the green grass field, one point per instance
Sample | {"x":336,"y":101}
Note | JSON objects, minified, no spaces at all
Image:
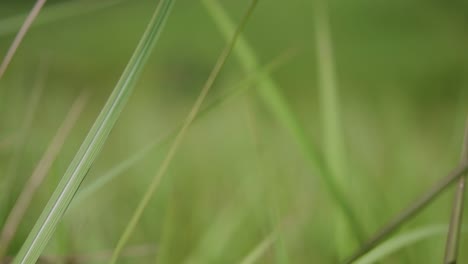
{"x":279,"y":132}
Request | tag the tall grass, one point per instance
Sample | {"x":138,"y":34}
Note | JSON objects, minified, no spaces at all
{"x":91,"y":146}
{"x":181,"y":134}
{"x":270,"y":92}
{"x":203,"y":223}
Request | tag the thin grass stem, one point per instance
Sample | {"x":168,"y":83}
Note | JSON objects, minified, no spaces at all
{"x":453,"y":236}
{"x":20,"y":36}
{"x":181,"y":134}
{"x":334,"y":145}
{"x":408,"y":213}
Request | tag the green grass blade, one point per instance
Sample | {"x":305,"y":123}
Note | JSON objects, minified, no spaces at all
{"x":181,"y":134}
{"x":453,"y":237}
{"x":107,"y":177}
{"x":93,"y":142}
{"x":329,"y":101}
{"x":402,"y":241}
{"x":335,"y":154}
{"x":20,"y":35}
{"x":53,"y":13}
{"x":270,"y":92}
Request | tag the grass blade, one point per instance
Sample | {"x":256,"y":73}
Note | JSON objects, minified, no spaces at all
{"x":335,"y":154}
{"x":40,"y":172}
{"x":334,"y":145}
{"x":56,"y":12}
{"x":402,"y":241}
{"x":181,"y":134}
{"x":411,"y":211}
{"x":101,"y":181}
{"x":20,"y":35}
{"x":453,"y":237}
{"x":270,"y":93}
{"x":93,"y":142}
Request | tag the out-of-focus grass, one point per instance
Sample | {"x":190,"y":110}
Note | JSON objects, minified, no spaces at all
{"x":402,"y":75}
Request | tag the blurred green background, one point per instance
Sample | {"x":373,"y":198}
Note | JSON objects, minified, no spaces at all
{"x":402,"y":76}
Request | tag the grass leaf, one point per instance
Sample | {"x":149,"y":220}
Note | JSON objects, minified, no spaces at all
{"x":335,"y":154}
{"x":91,"y":146}
{"x":453,"y":237}
{"x":20,"y":35}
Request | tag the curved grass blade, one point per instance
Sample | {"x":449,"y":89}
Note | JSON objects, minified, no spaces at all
{"x":40,"y":172}
{"x":20,"y":35}
{"x":56,"y":12}
{"x":181,"y":134}
{"x":271,"y":94}
{"x":402,"y":241}
{"x":93,"y":142}
{"x":453,"y":237}
{"x":107,"y":177}
{"x":408,"y":213}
